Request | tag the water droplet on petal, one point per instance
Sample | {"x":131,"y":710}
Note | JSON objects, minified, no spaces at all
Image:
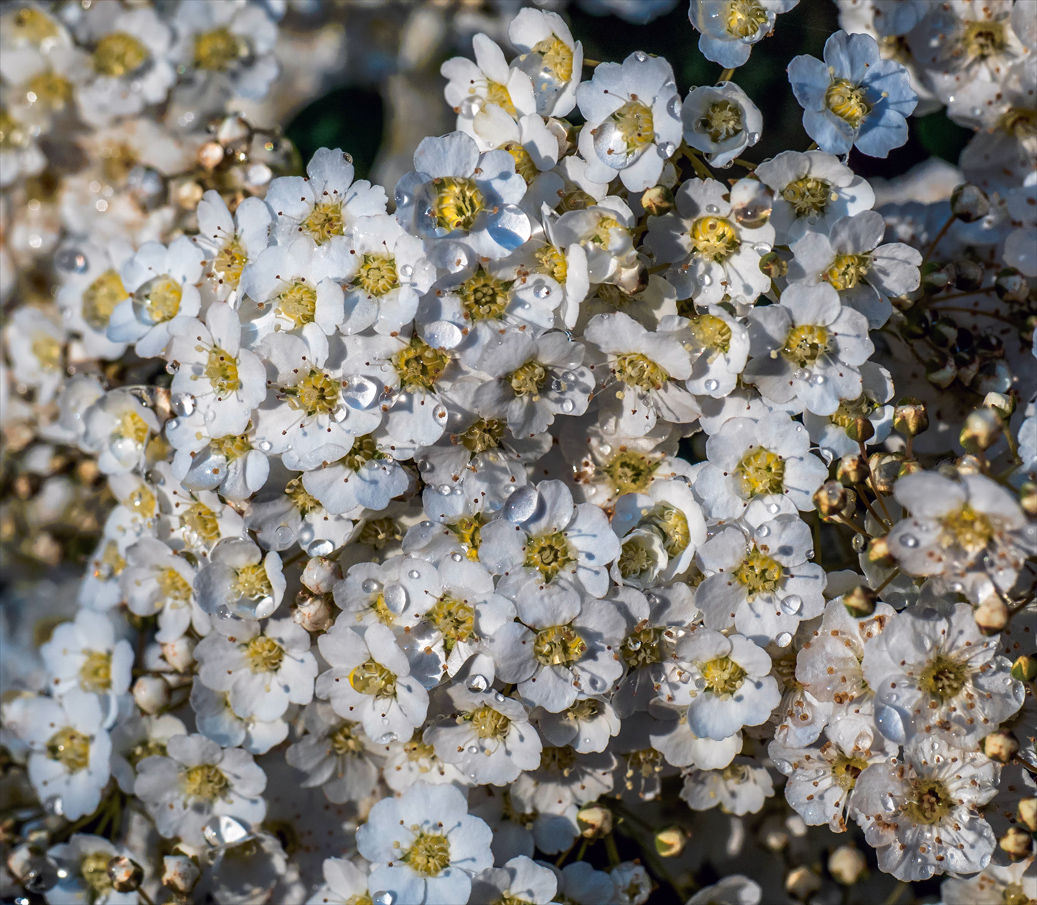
{"x":477,"y":683}
{"x":791,"y":605}
{"x":223,"y":831}
{"x":711,"y":385}
{"x":783,"y":640}
{"x":395,"y":597}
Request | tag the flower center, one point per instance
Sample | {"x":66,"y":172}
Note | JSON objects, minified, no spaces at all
{"x":558,"y":760}
{"x":316,"y":394}
{"x":558,"y":645}
{"x":711,"y":332}
{"x":983,"y":38}
{"x":222,"y":371}
{"x":640,"y":371}
{"x":298,"y":303}
{"x":173,"y":586}
{"x":230,"y":260}
{"x":34,"y":26}
{"x":635,"y":125}
{"x":524,"y":164}
{"x":847,"y":101}
{"x":485,"y":434}
{"x":344,"y":741}
{"x":943,"y":677}
{"x":216,"y":50}
{"x":549,"y":554}
{"x":70,"y":748}
{"x":419,"y":365}
{"x":378,"y":274}
{"x":231,"y":447}
{"x":967,"y":528}
{"x":51,"y":90}
{"x":553,"y":263}
{"x":528,"y":379}
{"x":845,"y":770}
{"x":364,"y":450}
{"x":721,"y":121}
{"x":264,"y":654}
{"x":160,"y":299}
{"x":147,"y":748}
{"x":205,"y":782}
{"x":489,"y":723}
{"x":201,"y":520}
{"x":455,"y":620}
{"x":101,"y":297}
{"x":672,"y":525}
{"x":458,"y":202}
{"x":252,"y":582}
{"x":637,"y":556}
{"x":370,"y":677}
{"x":484,"y":296}
{"x":496,"y":93}
{"x":429,"y":854}
{"x":133,"y":427}
{"x":1020,"y":122}
{"x":808,"y":196}
{"x":644,"y":763}
{"x":759,"y":573}
{"x":1014,"y":894}
{"x":557,"y":57}
{"x":469,"y":532}
{"x":94,"y":870}
{"x":630,"y":472}
{"x":117,"y":160}
{"x":714,"y":238}
{"x":931,"y":802}
{"x":643,"y":647}
{"x":96,"y":672}
{"x":379,"y":532}
{"x":805,"y":344}
{"x":745,"y":18}
{"x":760,"y":471}
{"x":47,"y":351}
{"x":723,"y":676}
{"x":301,"y":498}
{"x":111,"y":562}
{"x":417,"y":750}
{"x":119,"y":54}
{"x":325,"y":221}
{"x":846,"y":271}
{"x":584,"y":710}
{"x":11,"y":133}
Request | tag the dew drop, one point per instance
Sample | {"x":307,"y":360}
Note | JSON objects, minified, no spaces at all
{"x":791,"y":605}
{"x":477,"y":683}
{"x":395,"y":597}
{"x":909,"y":541}
{"x":711,"y":385}
{"x":783,"y":640}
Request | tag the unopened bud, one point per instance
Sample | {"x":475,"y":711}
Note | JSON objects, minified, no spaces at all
{"x":179,"y":654}
{"x":879,"y":553}
{"x":126,"y":875}
{"x":1000,"y":746}
{"x":968,"y":275}
{"x":967,"y":465}
{"x":909,"y":466}
{"x":594,"y":821}
{"x":1025,"y":668}
{"x":312,"y":611}
{"x":847,"y":865}
{"x":940,"y":372}
{"x":321,"y":574}
{"x":1011,"y":286}
{"x":939,"y":277}
{"x":1002,"y":403}
{"x":210,"y":155}
{"x":802,"y":883}
{"x":917,"y":324}
{"x":885,"y":468}
{"x":860,"y":430}
{"x":657,"y":200}
{"x":179,"y":874}
{"x":852,"y":469}
{"x":187,"y":194}
{"x":1016,"y":843}
{"x":860,"y":602}
{"x":774,"y":265}
{"x":910,"y":417}
{"x":1028,"y":813}
{"x":981,"y":430}
{"x":1028,"y":498}
{"x":151,"y":693}
{"x":830,"y":498}
{"x":969,"y":203}
{"x":991,"y":615}
{"x":669,"y":843}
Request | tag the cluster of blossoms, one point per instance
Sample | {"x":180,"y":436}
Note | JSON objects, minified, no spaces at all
{"x":489,"y":539}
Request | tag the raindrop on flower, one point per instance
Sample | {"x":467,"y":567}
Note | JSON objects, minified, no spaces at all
{"x":542,"y":291}
{"x":909,"y":541}
{"x":386,"y":739}
{"x":223,"y":831}
{"x":456,"y":557}
{"x":182,"y":403}
{"x":71,"y":260}
{"x":763,"y":531}
{"x":265,"y":446}
{"x":712,"y":209}
{"x":395,"y":597}
{"x":283,"y":536}
{"x":791,"y":605}
{"x":320,"y":547}
{"x":567,"y":405}
{"x":521,"y":504}
{"x":711,"y":385}
{"x":666,"y":149}
{"x":783,"y":640}
{"x":414,"y":573}
{"x":477,"y":683}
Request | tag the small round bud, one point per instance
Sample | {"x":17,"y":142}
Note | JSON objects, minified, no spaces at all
{"x":179,"y":654}
{"x":1011,"y":286}
{"x":993,"y":376}
{"x":179,"y":874}
{"x":802,"y":883}
{"x":1016,"y":843}
{"x":860,"y":430}
{"x":847,"y":865}
{"x":885,"y":468}
{"x":321,"y":574}
{"x":669,"y":843}
{"x":126,"y":875}
{"x":313,"y":612}
{"x":969,"y":203}
{"x":187,"y":194}
{"x":594,"y":821}
{"x":990,"y":344}
{"x":917,"y":324}
{"x":1028,"y":813}
{"x":909,"y":466}
{"x":968,"y":275}
{"x":1001,"y":403}
{"x":657,"y":200}
{"x":151,"y":693}
{"x":1028,"y":498}
{"x":234,"y":133}
{"x":1025,"y":668}
{"x":940,"y":372}
{"x":946,"y":333}
{"x":210,"y":155}
{"x":852,"y":469}
{"x":878,"y":553}
{"x":967,"y":465}
{"x":991,"y":615}
{"x":981,"y":430}
{"x":910,"y":417}
{"x":774,"y":265}
{"x":830,"y":498}
{"x":860,"y":602}
{"x":1000,"y":746}
{"x":937,"y":276}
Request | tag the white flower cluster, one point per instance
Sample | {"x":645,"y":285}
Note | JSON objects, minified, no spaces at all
{"x":558,"y":503}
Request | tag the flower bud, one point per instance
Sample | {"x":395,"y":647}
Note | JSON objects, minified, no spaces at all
{"x":1011,"y":286}
{"x":657,"y":200}
{"x":940,"y":372}
{"x":968,"y":275}
{"x":860,"y":602}
{"x":967,"y":465}
{"x":126,"y":875}
{"x":312,"y":611}
{"x":669,"y":843}
{"x":1028,"y":813}
{"x":1000,"y":746}
{"x":991,"y":615}
{"x":910,"y":417}
{"x":151,"y":693}
{"x":994,"y":376}
{"x":179,"y":654}
{"x":969,"y":203}
{"x":594,"y":821}
{"x":981,"y":430}
{"x":1016,"y":843}
{"x":1025,"y":668}
{"x":939,"y":277}
{"x":321,"y":574}
{"x":1001,"y":403}
{"x":774,"y":265}
{"x":1028,"y":498}
{"x":878,"y":553}
{"x":885,"y":468}
{"x":847,"y":865}
{"x":860,"y":430}
{"x":852,"y":469}
{"x":917,"y":324}
{"x":210,"y":155}
{"x":179,"y":874}
{"x":830,"y":498}
{"x":802,"y":883}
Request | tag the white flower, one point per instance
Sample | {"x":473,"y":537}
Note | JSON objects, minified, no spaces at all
{"x":82,"y":871}
{"x":730,"y":28}
{"x":36,"y":342}
{"x":994,"y":885}
{"x":263,"y":671}
{"x":195,"y":780}
{"x":86,"y":654}
{"x":740,"y":788}
{"x":240,"y":580}
{"x":720,"y":121}
{"x":550,"y":57}
{"x":732,"y":890}
{"x":830,"y":432}
{"x":367,"y":476}
{"x":162,"y":283}
{"x":91,"y":288}
{"x":424,"y":846}
{"x":230,"y":243}
{"x":283,"y":519}
{"x":344,"y":883}
{"x":230,"y":464}
{"x":335,"y":755}
{"x":117,"y":428}
{"x":139,"y":737}
{"x":633,"y":124}
{"x":587,"y":725}
{"x":520,"y":879}
{"x":216,"y":719}
{"x":937,"y":672}
{"x":921,"y":814}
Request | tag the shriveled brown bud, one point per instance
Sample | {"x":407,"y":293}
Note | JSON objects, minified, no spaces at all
{"x":1011,"y":286}
{"x":860,"y":602}
{"x":991,"y":615}
{"x":981,"y":430}
{"x":878,"y":553}
{"x":802,"y":883}
{"x":852,"y":469}
{"x":1025,"y":668}
{"x":860,"y":430}
{"x":594,"y":821}
{"x":774,"y":265}
{"x":969,"y":203}
{"x":1016,"y":843}
{"x":657,"y":200}
{"x":126,"y":874}
{"x":847,"y":865}
{"x":179,"y":874}
{"x":1000,"y":746}
{"x":885,"y":467}
{"x":1028,"y":498}
{"x":1028,"y":813}
{"x":910,"y":417}
{"x":830,"y":498}
{"x":669,"y":843}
